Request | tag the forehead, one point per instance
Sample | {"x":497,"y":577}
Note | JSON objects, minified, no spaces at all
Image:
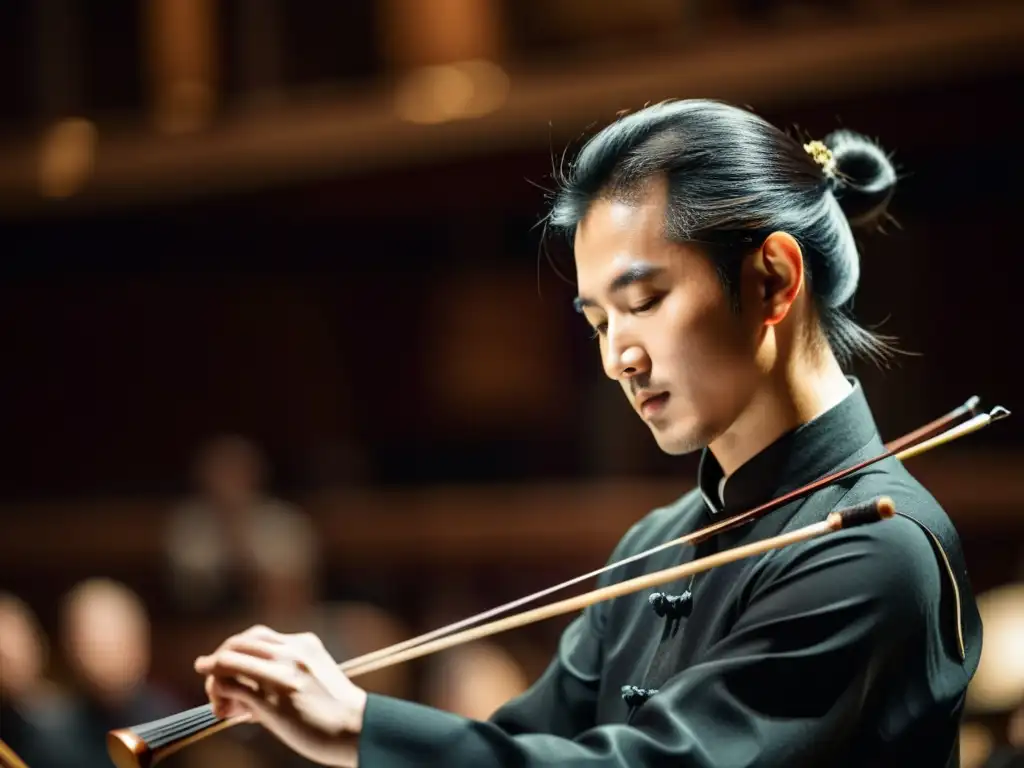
{"x":618,"y":238}
{"x":615,"y":234}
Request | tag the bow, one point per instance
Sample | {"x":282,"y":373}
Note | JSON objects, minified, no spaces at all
{"x":144,"y":745}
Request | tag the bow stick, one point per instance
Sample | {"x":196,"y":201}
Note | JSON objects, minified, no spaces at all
{"x":969,"y":407}
{"x":860,"y":514}
{"x":144,"y":745}
{"x":9,"y":758}
{"x":404,"y":651}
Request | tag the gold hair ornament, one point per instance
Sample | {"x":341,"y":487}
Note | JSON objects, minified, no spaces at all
{"x":822,"y":155}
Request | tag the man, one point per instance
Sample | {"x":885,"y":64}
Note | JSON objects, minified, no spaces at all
{"x":105,"y":630}
{"x":233,"y":546}
{"x":715,"y":263}
{"x":34,"y":713}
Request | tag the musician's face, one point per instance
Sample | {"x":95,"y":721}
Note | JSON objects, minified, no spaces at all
{"x":664,"y":323}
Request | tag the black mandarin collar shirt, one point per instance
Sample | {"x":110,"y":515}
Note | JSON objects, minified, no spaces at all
{"x":841,"y":651}
{"x":796,"y":458}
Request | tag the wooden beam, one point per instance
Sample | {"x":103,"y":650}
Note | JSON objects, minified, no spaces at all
{"x":182,"y":63}
{"x":359,"y":130}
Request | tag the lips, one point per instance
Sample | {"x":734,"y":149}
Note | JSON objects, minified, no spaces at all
{"x":650,"y":403}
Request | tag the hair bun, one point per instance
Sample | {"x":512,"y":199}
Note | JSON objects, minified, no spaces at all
{"x":865,"y":177}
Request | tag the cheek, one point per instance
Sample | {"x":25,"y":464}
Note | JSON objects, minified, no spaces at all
{"x":712,"y":356}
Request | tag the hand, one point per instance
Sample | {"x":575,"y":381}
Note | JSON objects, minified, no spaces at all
{"x":292,"y":687}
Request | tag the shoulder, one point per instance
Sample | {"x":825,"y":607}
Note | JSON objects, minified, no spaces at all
{"x":875,"y":582}
{"x":885,"y":550}
{"x":918,"y":514}
{"x":189,"y":525}
{"x":672,"y":520}
{"x":906,"y":574}
{"x":938,"y":563}
{"x":273,"y":508}
{"x":921,"y":537}
{"x":893,"y":564}
{"x":189,"y":512}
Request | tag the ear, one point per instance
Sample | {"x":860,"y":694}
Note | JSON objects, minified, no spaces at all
{"x":779,"y":265}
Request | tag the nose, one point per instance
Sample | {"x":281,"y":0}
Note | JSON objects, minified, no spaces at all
{"x":626,"y":361}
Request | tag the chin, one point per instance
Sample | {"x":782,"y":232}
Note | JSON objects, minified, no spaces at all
{"x":675,"y":440}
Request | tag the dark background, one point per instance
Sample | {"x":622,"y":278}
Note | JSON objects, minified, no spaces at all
{"x":377,"y":315}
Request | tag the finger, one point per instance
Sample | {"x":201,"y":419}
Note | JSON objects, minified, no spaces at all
{"x":308,"y":640}
{"x":266,"y":673}
{"x":258,"y":632}
{"x":251,"y":646}
{"x":231,"y":699}
{"x":223,"y":707}
{"x":259,"y":647}
{"x":245,"y":682}
{"x":312,"y":654}
{"x":262,"y":632}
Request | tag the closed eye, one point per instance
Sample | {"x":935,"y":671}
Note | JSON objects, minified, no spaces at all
{"x":648,"y":305}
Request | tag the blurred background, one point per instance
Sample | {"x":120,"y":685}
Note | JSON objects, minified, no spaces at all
{"x":278,"y":343}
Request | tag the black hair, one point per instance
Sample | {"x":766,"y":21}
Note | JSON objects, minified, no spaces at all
{"x":733,"y":179}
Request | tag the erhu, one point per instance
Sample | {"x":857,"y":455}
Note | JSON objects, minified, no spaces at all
{"x":145,"y":745}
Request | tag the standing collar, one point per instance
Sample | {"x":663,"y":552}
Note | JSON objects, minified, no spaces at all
{"x":796,"y":458}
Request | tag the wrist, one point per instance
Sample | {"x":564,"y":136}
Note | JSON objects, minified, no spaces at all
{"x":358,"y":712}
{"x":345,"y":750}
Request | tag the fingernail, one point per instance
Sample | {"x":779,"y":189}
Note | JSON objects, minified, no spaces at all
{"x":200,"y":661}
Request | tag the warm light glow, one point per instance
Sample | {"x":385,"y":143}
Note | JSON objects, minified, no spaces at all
{"x":186,"y":107}
{"x":976,"y":743}
{"x":451,"y":92}
{"x":475,"y":681}
{"x":66,"y":157}
{"x":181,"y":57}
{"x":999,"y":683}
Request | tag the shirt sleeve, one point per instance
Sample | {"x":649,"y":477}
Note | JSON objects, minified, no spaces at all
{"x":563,"y":701}
{"x":822,"y":620}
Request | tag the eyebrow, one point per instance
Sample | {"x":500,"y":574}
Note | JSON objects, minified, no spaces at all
{"x":636,"y":273}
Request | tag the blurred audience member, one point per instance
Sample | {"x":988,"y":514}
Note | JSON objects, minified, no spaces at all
{"x":993,"y":741}
{"x":1010,"y":753}
{"x":32,"y":712}
{"x":470,"y":680}
{"x":285,"y":585}
{"x":222,"y":543}
{"x":994,"y":738}
{"x":363,"y":628}
{"x":474,"y":680}
{"x":1013,"y":754}
{"x":106,"y":636}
